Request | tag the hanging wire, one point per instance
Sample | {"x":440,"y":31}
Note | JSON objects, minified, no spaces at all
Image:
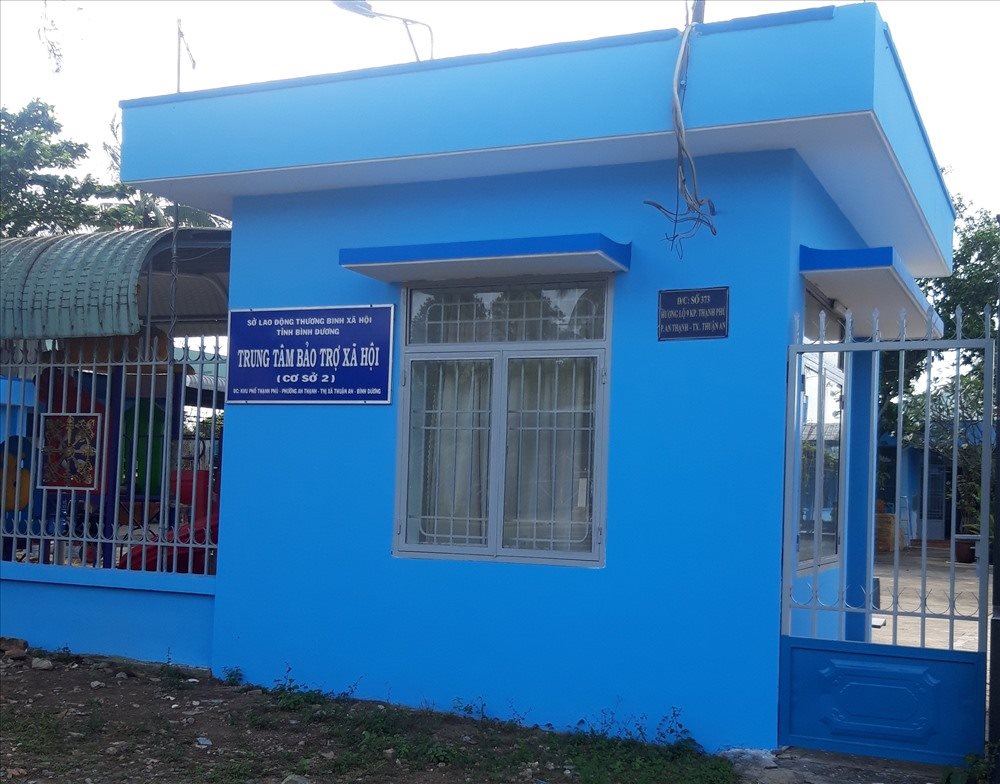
{"x":697,"y":211}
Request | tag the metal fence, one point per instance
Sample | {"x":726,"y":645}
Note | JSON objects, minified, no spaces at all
{"x":888,"y":479}
{"x":112,"y":452}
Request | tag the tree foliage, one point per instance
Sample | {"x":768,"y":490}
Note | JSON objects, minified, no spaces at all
{"x":38,"y":193}
{"x":950,"y":401}
{"x":973,"y":286}
{"x":137,"y":209}
{"x":975,"y":282}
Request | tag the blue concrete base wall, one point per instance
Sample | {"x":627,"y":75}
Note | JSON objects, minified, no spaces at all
{"x":828,"y":622}
{"x":686,"y":611}
{"x":148,"y":625}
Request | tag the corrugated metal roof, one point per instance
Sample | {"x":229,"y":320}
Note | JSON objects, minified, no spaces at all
{"x":82,"y":285}
{"x":73,"y":285}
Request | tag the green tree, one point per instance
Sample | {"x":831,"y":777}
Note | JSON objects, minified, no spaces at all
{"x":39,"y":195}
{"x":975,"y":282}
{"x":973,"y":286}
{"x":137,"y":209}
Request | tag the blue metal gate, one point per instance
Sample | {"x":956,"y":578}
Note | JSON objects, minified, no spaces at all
{"x":884,"y":624}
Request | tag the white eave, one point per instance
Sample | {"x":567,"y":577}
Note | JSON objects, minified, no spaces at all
{"x":848,"y":153}
{"x":869,"y":281}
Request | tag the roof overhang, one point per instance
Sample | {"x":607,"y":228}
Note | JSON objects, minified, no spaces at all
{"x":872,"y":281}
{"x":872,"y":192}
{"x":824,"y":82}
{"x":576,"y":254}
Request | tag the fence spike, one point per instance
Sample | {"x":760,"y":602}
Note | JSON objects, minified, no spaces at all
{"x":849,"y":326}
{"x":822,"y":326}
{"x":902,"y":323}
{"x":958,"y":323}
{"x":930,"y":322}
{"x":875,"y":326}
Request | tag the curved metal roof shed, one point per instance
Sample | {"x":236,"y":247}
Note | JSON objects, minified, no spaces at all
{"x":114,"y":283}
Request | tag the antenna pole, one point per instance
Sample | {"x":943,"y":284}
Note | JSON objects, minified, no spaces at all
{"x":180,"y":36}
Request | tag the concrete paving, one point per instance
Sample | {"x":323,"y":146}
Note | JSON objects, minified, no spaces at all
{"x":959,"y":635}
{"x":801,"y":766}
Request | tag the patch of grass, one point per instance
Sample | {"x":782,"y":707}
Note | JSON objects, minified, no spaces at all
{"x":287,"y":695}
{"x":94,"y":721}
{"x":174,"y":677}
{"x":613,"y":751}
{"x":977,"y":769}
{"x":232,"y":676}
{"x":606,"y":760}
{"x":234,"y":771}
{"x":64,"y":656}
{"x":258,"y":719}
{"x":41,"y":734}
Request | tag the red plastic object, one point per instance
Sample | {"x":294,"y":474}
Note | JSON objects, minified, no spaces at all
{"x":188,"y":483}
{"x":143,"y":558}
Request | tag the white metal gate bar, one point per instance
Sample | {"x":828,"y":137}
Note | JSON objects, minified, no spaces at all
{"x":151,"y":506}
{"x":843,"y":602}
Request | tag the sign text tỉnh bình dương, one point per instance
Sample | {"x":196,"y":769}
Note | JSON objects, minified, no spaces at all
{"x":311,"y":355}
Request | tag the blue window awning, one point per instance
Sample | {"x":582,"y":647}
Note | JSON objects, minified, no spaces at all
{"x":571,"y":254}
{"x":869,"y":279}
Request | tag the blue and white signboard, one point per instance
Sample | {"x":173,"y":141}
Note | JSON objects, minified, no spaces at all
{"x":311,"y":355}
{"x":692,"y":314}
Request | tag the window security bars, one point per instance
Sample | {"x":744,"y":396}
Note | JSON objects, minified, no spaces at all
{"x":901,"y":494}
{"x":112,"y":452}
{"x":501,"y":314}
{"x":503,"y":446}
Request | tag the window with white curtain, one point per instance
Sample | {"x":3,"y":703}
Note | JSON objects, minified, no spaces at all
{"x":504,"y":422}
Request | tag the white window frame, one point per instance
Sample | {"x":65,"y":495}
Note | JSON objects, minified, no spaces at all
{"x":835,"y":374}
{"x":500,"y":353}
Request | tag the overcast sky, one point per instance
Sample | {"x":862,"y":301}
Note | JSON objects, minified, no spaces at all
{"x":121,"y":49}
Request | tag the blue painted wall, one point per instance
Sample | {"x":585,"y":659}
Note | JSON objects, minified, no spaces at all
{"x":16,"y":402}
{"x":900,"y":120}
{"x":806,"y":64}
{"x":828,"y":625}
{"x":148,"y":617}
{"x":311,"y":489}
{"x":859,"y":535}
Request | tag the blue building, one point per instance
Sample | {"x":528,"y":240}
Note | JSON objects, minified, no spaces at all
{"x":538,"y":453}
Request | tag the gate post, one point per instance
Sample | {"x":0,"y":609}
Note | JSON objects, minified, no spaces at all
{"x":993,"y":688}
{"x":858,"y":557}
{"x":112,"y":468}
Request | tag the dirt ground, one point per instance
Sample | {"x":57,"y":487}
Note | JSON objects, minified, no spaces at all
{"x":94,"y":720}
